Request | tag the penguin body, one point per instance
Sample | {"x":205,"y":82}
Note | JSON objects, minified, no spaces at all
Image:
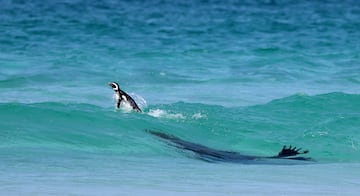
{"x":122,"y":96}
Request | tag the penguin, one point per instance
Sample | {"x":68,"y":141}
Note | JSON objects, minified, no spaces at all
{"x":122,"y":96}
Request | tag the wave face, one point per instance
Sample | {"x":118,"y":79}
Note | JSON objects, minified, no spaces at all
{"x":325,"y":124}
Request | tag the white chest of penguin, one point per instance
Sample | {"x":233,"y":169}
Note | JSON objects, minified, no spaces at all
{"x":116,"y":96}
{"x":122,"y":97}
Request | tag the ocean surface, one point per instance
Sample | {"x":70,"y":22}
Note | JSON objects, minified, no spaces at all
{"x":246,"y":76}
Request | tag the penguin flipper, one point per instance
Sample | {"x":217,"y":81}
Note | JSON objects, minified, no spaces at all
{"x":118,"y":103}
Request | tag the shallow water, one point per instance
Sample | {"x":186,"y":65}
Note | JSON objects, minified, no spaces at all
{"x":247,"y":77}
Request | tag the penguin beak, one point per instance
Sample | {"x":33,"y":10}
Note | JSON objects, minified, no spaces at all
{"x":110,"y":84}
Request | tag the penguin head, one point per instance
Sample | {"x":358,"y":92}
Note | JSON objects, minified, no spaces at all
{"x":115,"y":86}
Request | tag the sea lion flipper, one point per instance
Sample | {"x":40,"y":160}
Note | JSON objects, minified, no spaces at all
{"x":291,"y":151}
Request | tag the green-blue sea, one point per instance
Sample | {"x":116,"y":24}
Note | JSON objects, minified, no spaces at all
{"x":247,"y":76}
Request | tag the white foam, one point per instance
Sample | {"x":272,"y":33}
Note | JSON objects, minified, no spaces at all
{"x":141,"y":102}
{"x":198,"y":116}
{"x":125,"y":107}
{"x":163,"y":114}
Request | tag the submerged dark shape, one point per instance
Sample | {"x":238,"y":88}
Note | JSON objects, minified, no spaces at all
{"x":210,"y":154}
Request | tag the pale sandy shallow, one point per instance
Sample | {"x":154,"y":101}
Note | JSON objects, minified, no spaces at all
{"x":179,"y":177}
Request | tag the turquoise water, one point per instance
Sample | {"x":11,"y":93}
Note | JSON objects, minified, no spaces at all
{"x":247,"y":76}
